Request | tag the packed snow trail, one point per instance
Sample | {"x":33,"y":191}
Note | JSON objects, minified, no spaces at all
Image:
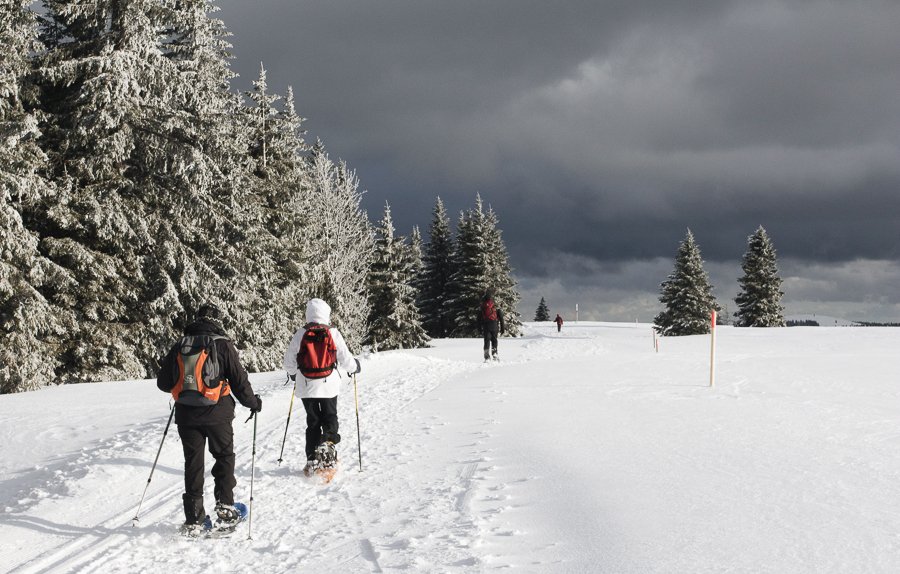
{"x":583,"y":451}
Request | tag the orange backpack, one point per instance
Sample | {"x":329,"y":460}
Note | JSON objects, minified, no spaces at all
{"x":199,"y":381}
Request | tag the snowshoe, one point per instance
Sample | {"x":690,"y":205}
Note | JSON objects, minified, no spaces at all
{"x":325,"y":475}
{"x":228,"y":517}
{"x":195,"y":530}
{"x":227,"y":513}
{"x":326,"y":455}
{"x":325,"y":464}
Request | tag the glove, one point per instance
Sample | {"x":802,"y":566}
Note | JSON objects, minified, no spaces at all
{"x":293,"y":377}
{"x":358,"y":367}
{"x":258,"y":405}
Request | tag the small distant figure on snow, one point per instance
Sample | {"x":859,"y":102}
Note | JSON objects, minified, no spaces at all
{"x":490,"y":319}
{"x":312,"y":360}
{"x":559,"y":322}
{"x":204,"y":374}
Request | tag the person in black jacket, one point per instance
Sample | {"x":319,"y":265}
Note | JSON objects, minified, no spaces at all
{"x":490,"y":319}
{"x":198,"y":424}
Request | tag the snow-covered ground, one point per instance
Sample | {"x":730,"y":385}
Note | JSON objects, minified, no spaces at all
{"x":584,"y":451}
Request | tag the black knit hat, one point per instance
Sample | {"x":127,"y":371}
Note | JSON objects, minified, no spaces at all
{"x":209,"y":311}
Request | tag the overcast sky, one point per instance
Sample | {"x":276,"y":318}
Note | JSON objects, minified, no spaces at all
{"x":600,"y":130}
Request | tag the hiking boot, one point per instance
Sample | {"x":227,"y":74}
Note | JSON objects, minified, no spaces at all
{"x":310,"y":467}
{"x":326,"y":454}
{"x":486,"y":355}
{"x":193,"y":510}
{"x":227,"y":513}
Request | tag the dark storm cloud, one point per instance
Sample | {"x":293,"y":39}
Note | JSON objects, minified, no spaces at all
{"x":603,"y":130}
{"x":419,"y":93}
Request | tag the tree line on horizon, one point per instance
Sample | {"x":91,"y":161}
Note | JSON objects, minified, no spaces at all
{"x":137,"y":184}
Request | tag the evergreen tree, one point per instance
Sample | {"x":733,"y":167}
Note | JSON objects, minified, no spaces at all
{"x":394,"y":319}
{"x":147,"y":188}
{"x":151,"y":219}
{"x":481,"y":263}
{"x":686,"y":294}
{"x":262,"y":120}
{"x":542,"y":313}
{"x":209,"y":163}
{"x":417,"y":267}
{"x":340,"y":244}
{"x":279,"y":268}
{"x":504,"y":286}
{"x":437,"y":268}
{"x":31,"y":324}
{"x":759,"y":302}
{"x":103,"y":85}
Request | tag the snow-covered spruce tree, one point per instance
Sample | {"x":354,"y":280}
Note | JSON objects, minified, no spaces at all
{"x":152,"y":216}
{"x":437,"y":268}
{"x":208,"y":168}
{"x":339,"y":243}
{"x":542,"y":313}
{"x":481,"y":263}
{"x":393,"y":319}
{"x":104,"y":93}
{"x":686,"y":294}
{"x":417,"y":266}
{"x":504,"y":287}
{"x":759,"y":302}
{"x":279,"y":180}
{"x":31,"y":324}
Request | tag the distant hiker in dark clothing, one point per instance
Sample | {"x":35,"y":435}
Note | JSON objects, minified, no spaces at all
{"x":559,"y":322}
{"x":313,"y":360}
{"x":490,"y":319}
{"x":204,"y":374}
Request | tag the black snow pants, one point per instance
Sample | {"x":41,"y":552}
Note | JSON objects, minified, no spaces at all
{"x":321,"y":423}
{"x":490,"y":338}
{"x":221,"y":447}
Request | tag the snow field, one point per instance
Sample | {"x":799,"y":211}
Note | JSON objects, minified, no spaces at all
{"x":583,"y":451}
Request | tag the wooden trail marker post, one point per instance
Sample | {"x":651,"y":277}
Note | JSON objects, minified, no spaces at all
{"x":712,"y":351}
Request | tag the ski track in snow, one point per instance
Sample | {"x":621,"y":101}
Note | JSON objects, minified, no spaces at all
{"x":329,"y":529}
{"x":460,"y":460}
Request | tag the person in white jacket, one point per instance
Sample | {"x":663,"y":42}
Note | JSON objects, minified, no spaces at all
{"x":319,"y":395}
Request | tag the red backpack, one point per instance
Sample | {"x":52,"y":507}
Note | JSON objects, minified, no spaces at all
{"x":488,"y":311}
{"x":317,"y":356}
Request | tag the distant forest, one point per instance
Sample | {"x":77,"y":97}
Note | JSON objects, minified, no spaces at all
{"x":811,"y":323}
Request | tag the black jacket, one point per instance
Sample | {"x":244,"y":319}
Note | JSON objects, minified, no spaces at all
{"x":223,"y":411}
{"x":491,"y":326}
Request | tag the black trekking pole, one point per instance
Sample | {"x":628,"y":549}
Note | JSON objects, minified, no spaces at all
{"x":358,"y":435}
{"x":252,"y":469}
{"x":290,"y":410}
{"x":159,"y":450}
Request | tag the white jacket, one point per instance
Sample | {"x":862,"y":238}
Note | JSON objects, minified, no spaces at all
{"x":318,"y":311}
